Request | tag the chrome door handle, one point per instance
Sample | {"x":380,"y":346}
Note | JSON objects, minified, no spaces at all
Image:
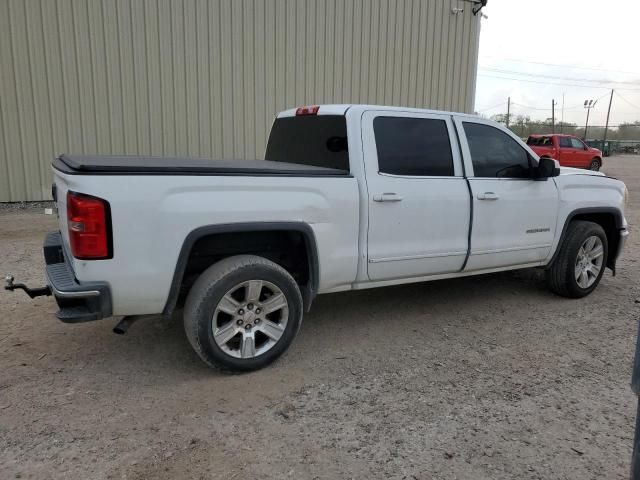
{"x":488,"y":196}
{"x":387,"y":197}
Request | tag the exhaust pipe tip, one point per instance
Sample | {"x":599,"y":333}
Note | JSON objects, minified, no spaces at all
{"x":120,"y":330}
{"x":123,"y":325}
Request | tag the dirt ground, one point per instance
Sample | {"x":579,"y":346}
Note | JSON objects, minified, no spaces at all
{"x":489,"y":377}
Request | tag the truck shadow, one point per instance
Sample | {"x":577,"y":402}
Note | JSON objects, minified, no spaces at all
{"x":418,"y":304}
{"x":158,"y":350}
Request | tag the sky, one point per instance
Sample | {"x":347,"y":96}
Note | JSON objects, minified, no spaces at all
{"x":544,"y":49}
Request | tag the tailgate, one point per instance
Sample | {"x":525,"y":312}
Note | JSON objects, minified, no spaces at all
{"x":59,"y":191}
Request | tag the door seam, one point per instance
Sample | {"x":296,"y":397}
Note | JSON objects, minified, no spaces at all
{"x":466,"y":178}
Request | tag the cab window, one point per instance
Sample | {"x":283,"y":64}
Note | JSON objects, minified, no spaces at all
{"x":540,"y":141}
{"x":315,"y":140}
{"x":413,"y":146}
{"x":565,"y":142}
{"x":575,"y":143}
{"x":495,"y":154}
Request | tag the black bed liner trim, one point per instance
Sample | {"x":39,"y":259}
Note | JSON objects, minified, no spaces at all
{"x":148,"y":165}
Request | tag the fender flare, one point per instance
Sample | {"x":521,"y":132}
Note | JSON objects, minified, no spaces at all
{"x":611,"y":262}
{"x":309,"y":291}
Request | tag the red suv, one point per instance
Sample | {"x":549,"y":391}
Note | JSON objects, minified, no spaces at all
{"x":569,"y":150}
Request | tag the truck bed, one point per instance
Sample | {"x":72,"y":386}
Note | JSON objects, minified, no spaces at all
{"x":149,"y":165}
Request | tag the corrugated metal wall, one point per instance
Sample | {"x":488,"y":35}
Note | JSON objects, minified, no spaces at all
{"x":206,"y":77}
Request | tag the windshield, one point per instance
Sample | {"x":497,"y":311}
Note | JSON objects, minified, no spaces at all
{"x":317,"y":140}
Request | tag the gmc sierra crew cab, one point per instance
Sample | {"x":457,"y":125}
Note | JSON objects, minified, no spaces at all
{"x":569,"y":150}
{"x":348,"y":197}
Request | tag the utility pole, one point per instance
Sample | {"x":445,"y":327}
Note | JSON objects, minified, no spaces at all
{"x":588,"y":104}
{"x":562,"y":115}
{"x":553,"y":116}
{"x":508,"y":110}
{"x":606,"y":126}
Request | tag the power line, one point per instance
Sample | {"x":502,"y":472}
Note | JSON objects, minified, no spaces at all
{"x":560,"y":65}
{"x":624,"y":99}
{"x":575,"y":125}
{"x":543,"y":83}
{"x":555,"y":83}
{"x":581,"y":105}
{"x":530,"y":107}
{"x":599,"y":98}
{"x":541,"y":75}
{"x":491,"y":108}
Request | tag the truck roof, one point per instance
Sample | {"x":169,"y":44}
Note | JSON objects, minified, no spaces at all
{"x":341,"y":109}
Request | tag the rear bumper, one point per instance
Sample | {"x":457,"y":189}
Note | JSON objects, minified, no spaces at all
{"x":78,"y":301}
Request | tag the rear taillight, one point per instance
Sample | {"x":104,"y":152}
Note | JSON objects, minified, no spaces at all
{"x":89,"y":222}
{"x":308,"y":110}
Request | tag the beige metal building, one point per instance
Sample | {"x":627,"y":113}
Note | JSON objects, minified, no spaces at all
{"x":206,"y":77}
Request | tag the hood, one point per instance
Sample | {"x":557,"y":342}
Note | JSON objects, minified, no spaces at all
{"x":579,"y":171}
{"x":596,"y":151}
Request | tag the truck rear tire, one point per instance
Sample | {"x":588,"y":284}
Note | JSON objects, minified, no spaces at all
{"x":242,"y":313}
{"x":580,"y":263}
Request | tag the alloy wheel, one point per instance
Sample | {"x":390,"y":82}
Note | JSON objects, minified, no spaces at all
{"x":250,"y":319}
{"x":589,"y":261}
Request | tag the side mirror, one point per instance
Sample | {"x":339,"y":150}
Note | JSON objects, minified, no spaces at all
{"x":547,"y":167}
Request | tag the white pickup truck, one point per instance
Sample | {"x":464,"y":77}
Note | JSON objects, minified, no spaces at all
{"x":349,"y":197}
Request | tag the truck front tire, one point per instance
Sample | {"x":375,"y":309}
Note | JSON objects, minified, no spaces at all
{"x":242,"y":313}
{"x":581,"y":260}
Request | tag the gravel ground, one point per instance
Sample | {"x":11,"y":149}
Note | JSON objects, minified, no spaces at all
{"x":479,"y":378}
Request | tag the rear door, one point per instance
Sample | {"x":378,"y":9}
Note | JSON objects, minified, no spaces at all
{"x":417,"y":196}
{"x":567,"y":152}
{"x":514,"y":216}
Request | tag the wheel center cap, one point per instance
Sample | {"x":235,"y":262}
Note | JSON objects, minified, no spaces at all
{"x":249,"y":316}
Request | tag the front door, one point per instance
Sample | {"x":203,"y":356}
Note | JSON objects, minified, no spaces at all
{"x":514,"y":217}
{"x":581,"y":153}
{"x":568,"y":156}
{"x":417,"y":196}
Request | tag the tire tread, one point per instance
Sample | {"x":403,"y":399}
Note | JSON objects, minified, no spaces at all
{"x":202,"y":287}
{"x":557,"y":275}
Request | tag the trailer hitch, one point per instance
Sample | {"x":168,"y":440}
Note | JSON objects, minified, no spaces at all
{"x":32,"y":292}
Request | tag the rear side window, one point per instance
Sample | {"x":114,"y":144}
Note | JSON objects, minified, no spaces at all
{"x":540,"y":141}
{"x":496,"y":154}
{"x":316,"y":140}
{"x":565,"y":142}
{"x":413,"y":146}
